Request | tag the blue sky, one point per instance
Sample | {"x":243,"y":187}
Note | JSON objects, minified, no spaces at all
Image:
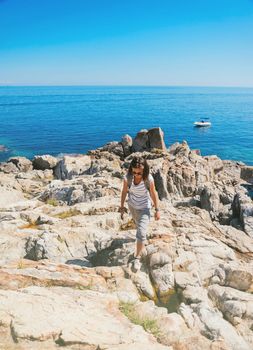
{"x":132,"y":42}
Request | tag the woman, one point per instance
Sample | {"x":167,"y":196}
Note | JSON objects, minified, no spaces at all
{"x":139,"y":185}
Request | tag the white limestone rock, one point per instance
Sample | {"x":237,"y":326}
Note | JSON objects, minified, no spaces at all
{"x":9,"y":197}
{"x":70,"y":167}
{"x":61,"y":314}
{"x":23,"y":164}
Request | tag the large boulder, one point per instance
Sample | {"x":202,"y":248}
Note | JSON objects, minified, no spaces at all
{"x":141,"y":141}
{"x":23,"y":164}
{"x":147,"y":140}
{"x":44,"y":162}
{"x":156,"y":139}
{"x":70,"y":167}
{"x":8,"y":168}
{"x":46,"y":245}
{"x":127,"y":142}
{"x":58,"y":191}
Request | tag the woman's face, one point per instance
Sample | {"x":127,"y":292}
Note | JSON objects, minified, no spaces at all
{"x":137,"y":172}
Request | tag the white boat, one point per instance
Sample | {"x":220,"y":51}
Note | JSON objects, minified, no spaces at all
{"x":202,"y":123}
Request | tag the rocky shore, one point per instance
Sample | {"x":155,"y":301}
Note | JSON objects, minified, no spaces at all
{"x":64,"y":273}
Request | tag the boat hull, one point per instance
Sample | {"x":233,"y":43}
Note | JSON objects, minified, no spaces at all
{"x":202,"y":124}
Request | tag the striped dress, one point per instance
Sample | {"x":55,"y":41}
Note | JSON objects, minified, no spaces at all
{"x":138,"y":195}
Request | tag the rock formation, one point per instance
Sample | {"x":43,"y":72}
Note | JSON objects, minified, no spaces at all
{"x":65,"y":277}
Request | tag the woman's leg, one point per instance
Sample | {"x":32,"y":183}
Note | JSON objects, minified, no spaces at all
{"x":143,"y":219}
{"x":139,"y":248}
{"x":133,"y":213}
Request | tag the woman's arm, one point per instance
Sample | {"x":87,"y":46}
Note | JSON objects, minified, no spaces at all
{"x":123,"y":198}
{"x":154,"y":197}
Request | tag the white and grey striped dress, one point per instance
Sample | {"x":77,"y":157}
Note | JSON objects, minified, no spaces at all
{"x":138,"y":195}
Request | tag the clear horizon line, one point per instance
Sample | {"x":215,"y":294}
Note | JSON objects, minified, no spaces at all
{"x":123,"y":85}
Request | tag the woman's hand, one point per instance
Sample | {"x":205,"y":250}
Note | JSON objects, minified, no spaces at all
{"x":157,"y":215}
{"x":122,"y":211}
{"x":155,"y":200}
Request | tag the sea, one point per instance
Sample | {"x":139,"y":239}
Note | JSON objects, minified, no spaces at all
{"x":56,"y":120}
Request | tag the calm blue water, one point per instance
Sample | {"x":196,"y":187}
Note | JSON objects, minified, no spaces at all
{"x":42,"y":120}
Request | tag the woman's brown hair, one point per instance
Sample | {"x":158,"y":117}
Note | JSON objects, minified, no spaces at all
{"x":139,"y":162}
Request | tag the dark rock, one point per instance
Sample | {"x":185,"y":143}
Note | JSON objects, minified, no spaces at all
{"x":35,"y":249}
{"x":44,"y":162}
